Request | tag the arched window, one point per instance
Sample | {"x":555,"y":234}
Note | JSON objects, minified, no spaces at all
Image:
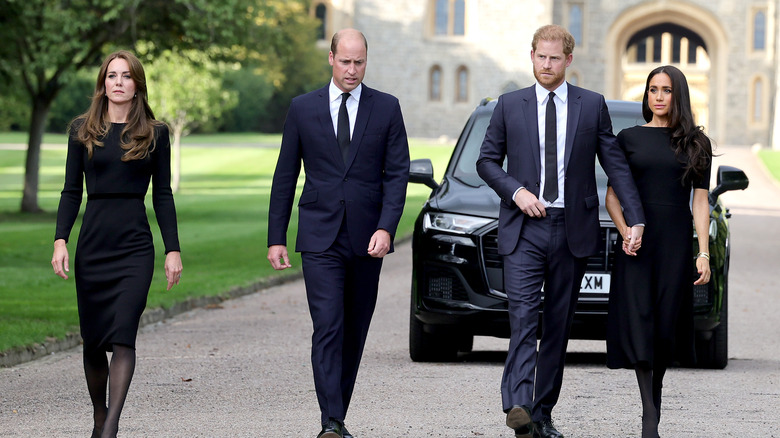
{"x":575,"y":22}
{"x":459,"y":17}
{"x":321,"y":13}
{"x":434,"y":87}
{"x":666,"y":43}
{"x":759,"y":30}
{"x":449,"y":17}
{"x":462,"y":88}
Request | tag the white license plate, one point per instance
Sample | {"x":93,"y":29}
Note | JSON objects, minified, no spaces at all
{"x":595,"y":283}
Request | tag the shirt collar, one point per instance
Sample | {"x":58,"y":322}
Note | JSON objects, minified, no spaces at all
{"x":562,"y":92}
{"x":335,"y":93}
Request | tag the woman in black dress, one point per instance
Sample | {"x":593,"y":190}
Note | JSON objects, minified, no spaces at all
{"x":650,"y":322}
{"x":118,"y":147}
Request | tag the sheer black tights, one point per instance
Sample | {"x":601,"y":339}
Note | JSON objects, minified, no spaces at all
{"x":116,"y":378}
{"x":650,"y":384}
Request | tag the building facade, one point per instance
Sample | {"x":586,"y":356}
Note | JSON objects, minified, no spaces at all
{"x":441,"y":57}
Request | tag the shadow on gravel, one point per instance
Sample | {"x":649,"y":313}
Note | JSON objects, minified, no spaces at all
{"x":499,"y":357}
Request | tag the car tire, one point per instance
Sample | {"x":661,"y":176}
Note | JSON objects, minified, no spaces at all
{"x":429,"y":347}
{"x":713,"y":352}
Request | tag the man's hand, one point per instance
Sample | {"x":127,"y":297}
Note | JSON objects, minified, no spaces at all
{"x":277,"y":255}
{"x":379,"y":244}
{"x":529,"y":204}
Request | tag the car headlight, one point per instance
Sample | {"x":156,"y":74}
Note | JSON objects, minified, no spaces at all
{"x":454,"y":223}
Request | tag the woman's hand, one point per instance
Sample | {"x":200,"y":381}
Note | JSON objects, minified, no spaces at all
{"x":627,"y":242}
{"x":703,"y":266}
{"x":60,"y":259}
{"x":173,"y":268}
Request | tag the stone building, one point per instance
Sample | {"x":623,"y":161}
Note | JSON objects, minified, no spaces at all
{"x":441,"y":57}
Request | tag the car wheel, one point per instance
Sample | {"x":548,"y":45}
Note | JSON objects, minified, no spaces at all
{"x":429,"y":347}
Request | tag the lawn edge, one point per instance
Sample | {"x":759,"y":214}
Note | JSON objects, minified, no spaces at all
{"x":19,"y":355}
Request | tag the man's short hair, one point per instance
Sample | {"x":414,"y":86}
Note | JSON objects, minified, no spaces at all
{"x":553,"y":32}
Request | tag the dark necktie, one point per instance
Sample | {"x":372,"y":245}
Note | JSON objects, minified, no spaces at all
{"x":550,"y":152}
{"x":342,"y":130}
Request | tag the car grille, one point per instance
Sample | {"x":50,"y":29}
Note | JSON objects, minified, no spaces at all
{"x":443,"y":283}
{"x":703,"y":294}
{"x":600,"y":262}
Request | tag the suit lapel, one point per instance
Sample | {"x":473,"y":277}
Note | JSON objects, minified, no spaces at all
{"x":363,"y":113}
{"x":326,"y":125}
{"x":531,"y":116}
{"x":573,"y":117}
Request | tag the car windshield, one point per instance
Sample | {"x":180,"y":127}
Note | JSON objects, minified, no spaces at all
{"x":465,"y":168}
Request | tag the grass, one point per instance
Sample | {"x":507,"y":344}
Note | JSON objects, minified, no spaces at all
{"x":771,"y":159}
{"x":222,"y":212}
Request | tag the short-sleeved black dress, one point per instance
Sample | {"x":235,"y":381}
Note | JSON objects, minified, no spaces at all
{"x":114,"y":259}
{"x":650,"y":298}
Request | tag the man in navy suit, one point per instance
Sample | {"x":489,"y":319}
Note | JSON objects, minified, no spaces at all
{"x":548,"y":221}
{"x":352,"y":142}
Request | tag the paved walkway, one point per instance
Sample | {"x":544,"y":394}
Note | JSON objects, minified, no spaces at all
{"x":241,"y":369}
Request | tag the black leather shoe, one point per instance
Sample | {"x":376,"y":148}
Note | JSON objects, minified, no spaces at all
{"x":547,"y":430}
{"x":332,"y":429}
{"x":519,"y":419}
{"x":346,"y":432}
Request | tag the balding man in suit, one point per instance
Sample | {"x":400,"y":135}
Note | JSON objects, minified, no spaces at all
{"x":352,"y":142}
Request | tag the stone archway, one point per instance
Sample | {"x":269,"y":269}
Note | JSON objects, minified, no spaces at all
{"x":704,"y":78}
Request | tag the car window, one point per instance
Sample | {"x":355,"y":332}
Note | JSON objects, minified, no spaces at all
{"x":622,"y":120}
{"x":465,"y":168}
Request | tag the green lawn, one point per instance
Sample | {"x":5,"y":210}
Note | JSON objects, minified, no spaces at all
{"x":771,"y":159}
{"x":222,"y":212}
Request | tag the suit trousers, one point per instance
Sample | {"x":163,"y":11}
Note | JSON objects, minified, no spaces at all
{"x":541,"y":258}
{"x":341,"y":289}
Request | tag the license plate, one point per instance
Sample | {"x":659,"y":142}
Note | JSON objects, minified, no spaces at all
{"x":595,"y":283}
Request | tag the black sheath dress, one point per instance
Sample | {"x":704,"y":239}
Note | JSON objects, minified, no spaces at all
{"x":114,"y":259}
{"x":650,"y":299}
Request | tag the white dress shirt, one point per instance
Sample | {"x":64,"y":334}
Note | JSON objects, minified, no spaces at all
{"x":352,"y":106}
{"x":561,"y":110}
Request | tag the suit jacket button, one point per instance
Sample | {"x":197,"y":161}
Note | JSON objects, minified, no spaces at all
{"x":341,"y":202}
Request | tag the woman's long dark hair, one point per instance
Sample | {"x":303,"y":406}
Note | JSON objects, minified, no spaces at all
{"x":138,"y":135}
{"x":691,"y":144}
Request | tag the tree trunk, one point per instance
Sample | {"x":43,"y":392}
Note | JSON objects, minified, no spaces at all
{"x":176,"y":151}
{"x":40,"y":112}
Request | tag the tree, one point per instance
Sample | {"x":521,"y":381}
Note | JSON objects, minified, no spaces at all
{"x":46,"y":41}
{"x":185,"y":90}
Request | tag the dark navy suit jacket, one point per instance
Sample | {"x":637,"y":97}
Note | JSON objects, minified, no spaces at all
{"x":514,"y":133}
{"x":370,"y":189}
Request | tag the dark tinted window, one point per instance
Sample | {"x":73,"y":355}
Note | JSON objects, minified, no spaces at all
{"x":465,"y":168}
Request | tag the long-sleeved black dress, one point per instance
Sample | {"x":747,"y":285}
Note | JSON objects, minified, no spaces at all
{"x":114,"y":259}
{"x":650,"y":299}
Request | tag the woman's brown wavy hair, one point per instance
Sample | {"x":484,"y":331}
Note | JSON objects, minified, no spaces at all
{"x":138,"y":135}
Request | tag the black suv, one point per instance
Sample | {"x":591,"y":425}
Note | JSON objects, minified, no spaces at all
{"x":457,"y":278}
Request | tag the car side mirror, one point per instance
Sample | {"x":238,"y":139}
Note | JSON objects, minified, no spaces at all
{"x":421,"y":172}
{"x":729,"y":178}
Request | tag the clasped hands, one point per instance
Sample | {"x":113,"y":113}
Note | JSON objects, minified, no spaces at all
{"x":530,"y":205}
